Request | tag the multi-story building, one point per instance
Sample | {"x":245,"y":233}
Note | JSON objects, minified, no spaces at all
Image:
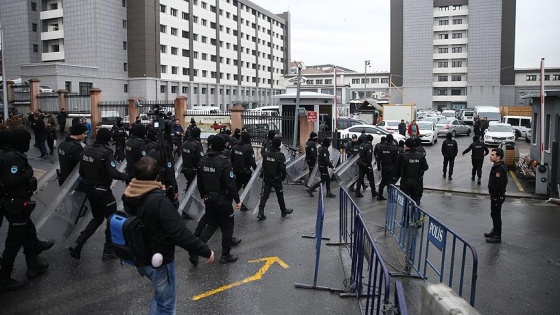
{"x":454,"y":53}
{"x":528,"y":81}
{"x":215,"y":52}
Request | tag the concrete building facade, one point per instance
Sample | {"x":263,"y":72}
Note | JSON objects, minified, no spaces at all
{"x":215,"y":52}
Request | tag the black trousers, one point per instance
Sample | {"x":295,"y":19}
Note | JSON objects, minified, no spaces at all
{"x":242,"y":179}
{"x":268,"y":184}
{"x":412,"y":187}
{"x":388,"y":177}
{"x":477,"y":167}
{"x":365,"y":171}
{"x":189,"y":175}
{"x":325,"y":179}
{"x":496,"y":213}
{"x":219,"y":215}
{"x":50,"y":144}
{"x":448,"y":160}
{"x":103,"y":205}
{"x":119,"y":150}
{"x":21,"y":233}
{"x":61,"y":128}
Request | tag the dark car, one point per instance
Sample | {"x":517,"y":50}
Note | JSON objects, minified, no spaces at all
{"x":344,"y":123}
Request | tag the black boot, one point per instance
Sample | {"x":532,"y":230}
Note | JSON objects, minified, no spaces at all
{"x":285,"y":212}
{"x":35,"y":267}
{"x":490,"y":234}
{"x":373,"y":193}
{"x":494,"y":239}
{"x":9,"y":284}
{"x":444,"y":174}
{"x":260,"y":215}
{"x":330,"y":195}
{"x":235,"y":241}
{"x":228,"y":258}
{"x":108,"y":252}
{"x":310,"y":192}
{"x":76,"y":250}
{"x":193,"y":258}
{"x":42,"y":246}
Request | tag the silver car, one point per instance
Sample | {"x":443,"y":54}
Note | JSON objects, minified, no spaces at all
{"x":455,"y":126}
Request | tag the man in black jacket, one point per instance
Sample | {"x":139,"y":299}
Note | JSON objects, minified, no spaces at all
{"x":366,"y":167}
{"x":40,"y":131}
{"x":191,"y":151}
{"x":135,"y":148}
{"x":61,"y":119}
{"x":388,"y":156}
{"x":479,"y":151}
{"x":412,"y":165}
{"x":243,"y":160}
{"x":324,"y":163}
{"x":98,"y":169}
{"x":118,"y":133}
{"x":165,"y":230}
{"x":449,"y":150}
{"x":273,"y":173}
{"x":402,"y":128}
{"x":70,"y":151}
{"x":311,"y":151}
{"x":497,"y":184}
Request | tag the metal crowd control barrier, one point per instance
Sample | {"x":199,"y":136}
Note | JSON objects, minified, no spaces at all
{"x":405,"y":221}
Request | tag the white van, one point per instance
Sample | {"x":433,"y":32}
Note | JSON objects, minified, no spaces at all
{"x":467,"y":117}
{"x":521,"y":124}
{"x":449,"y":113}
{"x":265,"y":111}
{"x":492,"y":113}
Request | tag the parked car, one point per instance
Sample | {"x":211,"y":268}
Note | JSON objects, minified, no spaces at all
{"x":390,"y":125}
{"x":529,"y":137}
{"x":455,"y":126}
{"x":45,"y":89}
{"x":344,"y":123}
{"x":376,"y":131}
{"x":433,"y":119}
{"x":427,"y":132}
{"x":449,"y":113}
{"x":260,"y":131}
{"x":520,"y":124}
{"x":497,"y":133}
{"x":467,"y":117}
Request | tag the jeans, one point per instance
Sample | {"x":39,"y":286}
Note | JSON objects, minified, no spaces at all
{"x":163,"y":281}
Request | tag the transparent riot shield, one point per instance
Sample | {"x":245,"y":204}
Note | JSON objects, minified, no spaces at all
{"x":62,"y":215}
{"x":191,"y":203}
{"x":347,"y":172}
{"x":251,"y":195}
{"x":297,"y":168}
{"x":316,"y":175}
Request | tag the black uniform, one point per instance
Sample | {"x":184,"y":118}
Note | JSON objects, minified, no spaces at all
{"x":412,"y":165}
{"x":266,"y":146}
{"x":366,"y":168}
{"x":449,"y":150}
{"x":216,"y":184}
{"x":311,"y":154}
{"x":273,"y":173}
{"x":242,"y":160}
{"x":191,"y":151}
{"x":69,"y":155}
{"x":355,"y":151}
{"x":118,"y":133}
{"x":497,"y":183}
{"x":376,"y":153}
{"x":51,"y":137}
{"x":479,"y":151}
{"x":163,"y":156}
{"x":98,"y":169}
{"x":323,"y":164}
{"x":135,"y":149}
{"x":388,"y":155}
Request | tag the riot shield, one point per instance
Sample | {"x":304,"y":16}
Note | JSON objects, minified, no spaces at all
{"x":316,"y":175}
{"x":251,"y":195}
{"x":348,"y":172}
{"x":191,"y":203}
{"x":297,"y":168}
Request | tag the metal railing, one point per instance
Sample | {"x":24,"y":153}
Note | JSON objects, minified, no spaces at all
{"x":258,"y":125}
{"x":48,"y":102}
{"x":78,"y":104}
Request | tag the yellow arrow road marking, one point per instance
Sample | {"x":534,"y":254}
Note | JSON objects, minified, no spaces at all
{"x":257,"y":276}
{"x":516,"y":181}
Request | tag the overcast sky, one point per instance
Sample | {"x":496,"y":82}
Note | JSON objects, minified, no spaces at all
{"x":347,"y":32}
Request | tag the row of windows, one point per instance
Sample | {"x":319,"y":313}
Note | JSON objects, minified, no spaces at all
{"x":454,"y":21}
{"x":454,"y":50}
{"x":533,"y":77}
{"x":195,"y":90}
{"x":441,"y":92}
{"x":368,"y":80}
{"x":186,"y":52}
{"x":454,"y":64}
{"x":453,"y":36}
{"x":454,"y":77}
{"x":455,"y":8}
{"x":213,"y":74}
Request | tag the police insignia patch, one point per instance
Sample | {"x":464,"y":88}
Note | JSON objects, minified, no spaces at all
{"x":14,"y":169}
{"x":231,"y":174}
{"x":113,"y":164}
{"x":201,"y":153}
{"x":169,"y":164}
{"x":143,"y":153}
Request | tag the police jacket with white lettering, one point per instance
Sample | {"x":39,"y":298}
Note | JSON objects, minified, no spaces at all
{"x":243,"y":158}
{"x":98,"y":167}
{"x":135,"y":149}
{"x":324,"y":158}
{"x":191,"y":151}
{"x":412,"y":164}
{"x":497,"y":182}
{"x":163,"y":224}
{"x":215,"y":176}
{"x":17,"y":174}
{"x":118,"y":133}
{"x":449,"y":148}
{"x":388,"y":155}
{"x":479,"y":150}
{"x":167,"y":167}
{"x":266,"y":146}
{"x":69,"y":155}
{"x":274,"y":164}
{"x":366,"y":154}
{"x":311,"y":152}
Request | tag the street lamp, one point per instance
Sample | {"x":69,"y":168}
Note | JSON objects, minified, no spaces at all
{"x":367,"y":62}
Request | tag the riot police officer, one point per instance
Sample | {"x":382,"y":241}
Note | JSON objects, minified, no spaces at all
{"x":135,"y":148}
{"x":449,"y":150}
{"x":311,"y":151}
{"x":355,"y":148}
{"x":324,"y":163}
{"x":98,"y":169}
{"x":160,"y":149}
{"x":268,"y":142}
{"x":376,"y":152}
{"x":242,"y":160}
{"x":216,"y":184}
{"x":273,"y":173}
{"x":191,"y":151}
{"x":479,"y":151}
{"x":388,"y":156}
{"x":412,"y":165}
{"x":366,"y":167}
{"x":118,"y":133}
{"x":19,"y":185}
{"x":70,"y":151}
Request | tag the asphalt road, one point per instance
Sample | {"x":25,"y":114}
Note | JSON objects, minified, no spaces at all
{"x":516,"y":277}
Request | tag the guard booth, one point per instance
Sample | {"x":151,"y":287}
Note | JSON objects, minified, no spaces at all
{"x":370,"y":110}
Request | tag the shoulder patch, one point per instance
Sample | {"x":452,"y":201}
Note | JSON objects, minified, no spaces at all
{"x":143,"y":152}
{"x":231,"y":174}
{"x":201,"y":153}
{"x":14,"y":169}
{"x":113,"y":164}
{"x":168,"y":164}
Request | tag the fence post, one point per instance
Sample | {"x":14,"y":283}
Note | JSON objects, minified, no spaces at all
{"x":10,"y":91}
{"x":180,"y":104}
{"x":62,"y":99}
{"x":95,"y":97}
{"x":132,"y":110}
{"x":33,"y":91}
{"x":305,"y":128}
{"x":236,"y":117}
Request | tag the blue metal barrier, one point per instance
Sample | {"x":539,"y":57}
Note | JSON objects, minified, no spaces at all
{"x":405,"y":221}
{"x":400,"y":302}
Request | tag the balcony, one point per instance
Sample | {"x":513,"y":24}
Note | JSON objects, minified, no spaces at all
{"x":52,"y":35}
{"x":449,"y":98}
{"x":449,"y":84}
{"x":53,"y":56}
{"x":458,"y":41}
{"x":51,"y":14}
{"x":450,"y":12}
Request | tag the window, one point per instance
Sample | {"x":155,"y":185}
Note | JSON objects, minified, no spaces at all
{"x":318,"y":81}
{"x":68,"y":86}
{"x":124,"y":3}
{"x":125,"y":66}
{"x":185,"y":34}
{"x":203,"y":5}
{"x":185,"y":52}
{"x":124,"y":45}
{"x":54,"y":6}
{"x":195,"y":19}
{"x":162,"y":28}
{"x":163,"y":69}
{"x":531,"y":77}
{"x":455,"y":92}
{"x":547,"y":77}
{"x":203,"y":39}
{"x":443,"y":50}
{"x":162,"y":88}
{"x":555,"y":77}
{"x":442,"y":78}
{"x":35,"y":48}
{"x":328,"y":81}
{"x":443,"y":36}
{"x":185,"y":16}
{"x":457,"y":35}
{"x":204,"y":75}
{"x":456,"y":64}
{"x":457,"y":21}
{"x":124,"y":24}
{"x":125,"y":88}
{"x":384,"y":80}
{"x":173,"y":12}
{"x":186,"y":71}
{"x":184,"y":90}
{"x":174,"y":89}
{"x":34,"y":27}
{"x":163,"y":49}
{"x":173,"y":31}
{"x":204,"y":56}
{"x":195,"y":55}
{"x":441,"y":92}
{"x":85,"y":87}
{"x":444,"y":8}
{"x":444,"y":22}
{"x":55,"y":48}
{"x":162,"y":8}
{"x":457,"y":50}
{"x":33,"y":6}
{"x":456,"y":77}
{"x":442,"y":64}
{"x":203,"y":22}
{"x":174,"y":50}
{"x":174,"y":70}
{"x":457,"y":7}
{"x":203,"y":90}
